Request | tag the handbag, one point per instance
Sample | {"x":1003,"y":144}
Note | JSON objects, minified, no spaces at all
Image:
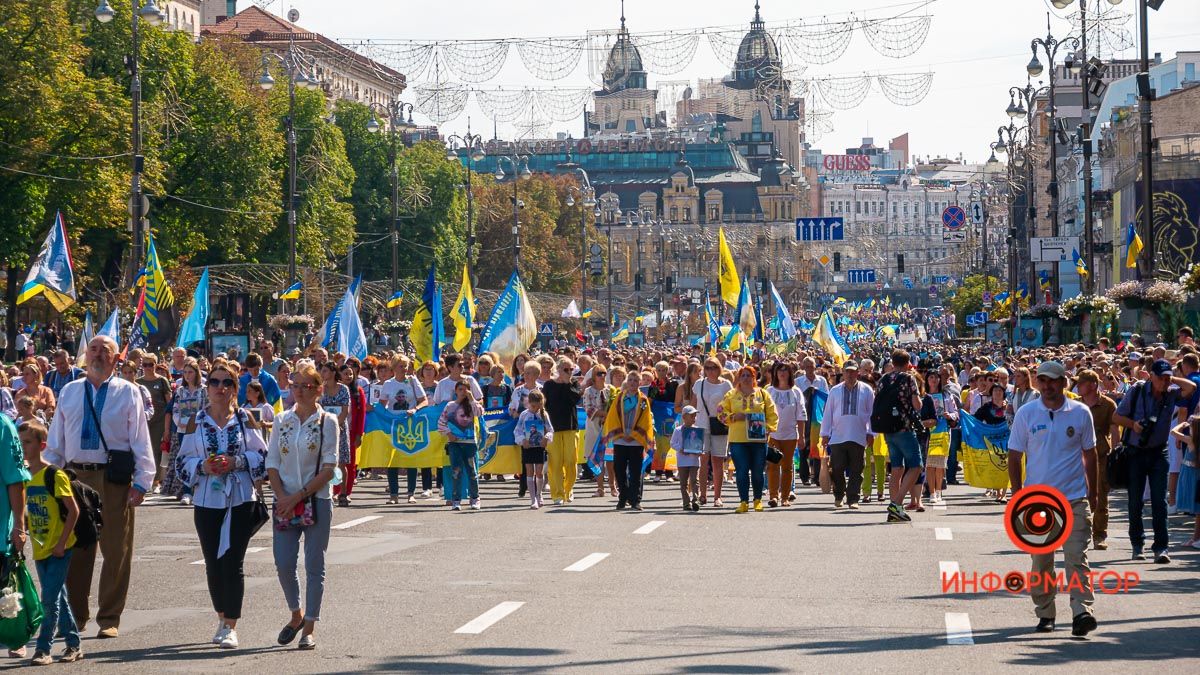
{"x":825,"y":478}
{"x":774,"y":454}
{"x":303,"y":514}
{"x":20,"y":606}
{"x":715,"y":426}
{"x":119,"y":465}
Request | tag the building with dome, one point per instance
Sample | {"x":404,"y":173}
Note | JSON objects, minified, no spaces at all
{"x":624,"y":105}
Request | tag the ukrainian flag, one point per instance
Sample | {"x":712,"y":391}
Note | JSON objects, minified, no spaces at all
{"x":1022,"y":291}
{"x":290,"y":293}
{"x":1080,"y":265}
{"x":984,"y":453}
{"x":1134,"y":242}
{"x":52,"y":274}
{"x":587,"y":313}
{"x":394,"y":301}
{"x":158,"y":317}
{"x":622,"y":333}
{"x":1044,"y":279}
{"x":826,"y":335}
{"x":426,"y":332}
{"x":463,"y":314}
{"x":640,"y":317}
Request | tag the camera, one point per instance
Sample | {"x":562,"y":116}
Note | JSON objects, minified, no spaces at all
{"x":1147,"y":424}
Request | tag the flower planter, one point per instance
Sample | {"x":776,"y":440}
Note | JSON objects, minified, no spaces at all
{"x":1133,"y":303}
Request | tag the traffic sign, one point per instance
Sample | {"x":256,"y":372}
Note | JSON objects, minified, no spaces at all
{"x":908,"y":283}
{"x":860,"y":276}
{"x":987,"y":299}
{"x":1052,"y":249}
{"x":981,"y":317}
{"x":596,"y":249}
{"x":977,"y":213}
{"x":941,"y":278}
{"x":954,"y":217}
{"x":820,"y":229}
{"x":546,"y":329}
{"x":933,"y":291}
{"x":970,"y":320}
{"x":824,"y":260}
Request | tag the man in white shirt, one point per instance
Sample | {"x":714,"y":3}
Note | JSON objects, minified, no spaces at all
{"x":445,"y":387}
{"x":1056,"y":438}
{"x":98,"y":418}
{"x":810,"y":378}
{"x":846,"y":432}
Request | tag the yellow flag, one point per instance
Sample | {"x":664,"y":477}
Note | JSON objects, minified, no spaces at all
{"x":727,"y":274}
{"x":463,"y":313}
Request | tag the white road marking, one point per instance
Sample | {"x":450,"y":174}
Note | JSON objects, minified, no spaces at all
{"x":357,"y":521}
{"x":649,"y":527}
{"x":943,"y":534}
{"x":489,"y":618}
{"x":586,"y":562}
{"x":948,"y":568}
{"x":252,"y":549}
{"x":958,"y":629}
{"x":198,"y":562}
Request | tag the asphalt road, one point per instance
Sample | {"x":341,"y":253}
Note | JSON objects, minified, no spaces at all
{"x":583,"y":588}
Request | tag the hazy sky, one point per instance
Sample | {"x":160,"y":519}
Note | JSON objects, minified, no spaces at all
{"x":976,"y":49}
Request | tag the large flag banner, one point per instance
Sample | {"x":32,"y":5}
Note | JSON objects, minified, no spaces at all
{"x":571,"y":311}
{"x":112,"y":327}
{"x":1134,"y":242}
{"x":52,"y":274}
{"x":192,"y":330}
{"x":743,"y":315}
{"x":710,"y":319}
{"x":426,"y":333}
{"x":412,"y":441}
{"x":394,"y":301}
{"x":511,"y":328}
{"x":826,"y":335}
{"x":329,"y":333}
{"x":159,"y":322}
{"x":727,"y":274}
{"x":984,"y":453}
{"x":352,"y":340}
{"x":85,"y":336}
{"x":787,"y":327}
{"x":463,"y":313}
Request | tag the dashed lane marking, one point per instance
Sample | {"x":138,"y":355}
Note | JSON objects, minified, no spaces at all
{"x":357,"y":521}
{"x":943,"y":534}
{"x":586,"y":562}
{"x":958,"y":629}
{"x":489,"y":618}
{"x":649,"y":527}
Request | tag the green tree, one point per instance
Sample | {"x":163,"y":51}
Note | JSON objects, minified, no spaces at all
{"x":549,"y":252}
{"x":969,"y":299}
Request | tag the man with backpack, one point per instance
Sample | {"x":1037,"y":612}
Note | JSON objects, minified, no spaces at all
{"x":896,"y":415}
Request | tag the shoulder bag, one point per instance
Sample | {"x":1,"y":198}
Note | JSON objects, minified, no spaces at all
{"x":715,"y":426}
{"x":119,"y":465}
{"x":304,"y":514}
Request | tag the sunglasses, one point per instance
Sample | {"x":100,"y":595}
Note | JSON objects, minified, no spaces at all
{"x":222,"y":383}
{"x":310,"y":386}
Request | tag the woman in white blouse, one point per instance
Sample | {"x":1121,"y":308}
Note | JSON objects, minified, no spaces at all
{"x":222,"y":458}
{"x":789,"y":405}
{"x":300,"y":460}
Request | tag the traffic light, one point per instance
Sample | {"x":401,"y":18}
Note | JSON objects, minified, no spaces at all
{"x":837,"y":261}
{"x":900,"y":263}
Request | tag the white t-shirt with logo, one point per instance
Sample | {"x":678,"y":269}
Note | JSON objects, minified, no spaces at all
{"x":1053,"y":443}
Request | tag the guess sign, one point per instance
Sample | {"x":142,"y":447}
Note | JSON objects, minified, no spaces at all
{"x":847,"y":163}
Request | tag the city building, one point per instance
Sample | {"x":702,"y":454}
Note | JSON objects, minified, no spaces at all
{"x":183,"y":15}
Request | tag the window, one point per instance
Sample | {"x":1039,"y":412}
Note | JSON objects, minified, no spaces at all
{"x":714,"y":213}
{"x":674,"y":213}
{"x":756,"y":121}
{"x":687,"y":215}
{"x":857,"y":206}
{"x":630,"y":126}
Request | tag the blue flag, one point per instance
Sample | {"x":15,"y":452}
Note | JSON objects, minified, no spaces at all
{"x":112,"y":327}
{"x":511,"y":327}
{"x":329,"y":334}
{"x":192,"y":330}
{"x":787,"y":327}
{"x":352,"y":341}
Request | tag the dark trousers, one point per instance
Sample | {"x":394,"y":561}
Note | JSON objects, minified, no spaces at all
{"x":426,"y":480}
{"x":226,"y":582}
{"x":1148,"y":465}
{"x":952,"y":461}
{"x":627,"y":464}
{"x":749,"y":465}
{"x":462,"y":460}
{"x":843,"y":458}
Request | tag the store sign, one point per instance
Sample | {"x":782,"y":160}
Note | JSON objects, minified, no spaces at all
{"x":847,"y":162}
{"x":584,"y":146}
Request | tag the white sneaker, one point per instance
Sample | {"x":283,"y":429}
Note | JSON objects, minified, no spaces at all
{"x":475,"y":506}
{"x":427,"y":493}
{"x":186,"y":500}
{"x":222,"y":631}
{"x":558,"y":502}
{"x":455,"y":507}
{"x":230,"y":640}
{"x":1172,"y":509}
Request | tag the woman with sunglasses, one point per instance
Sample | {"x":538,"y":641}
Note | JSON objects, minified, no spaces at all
{"x":710,"y":391}
{"x":189,"y":398}
{"x":789,"y":404}
{"x":335,"y":400}
{"x":750,"y":414}
{"x":223,"y":457}
{"x":300,"y":460}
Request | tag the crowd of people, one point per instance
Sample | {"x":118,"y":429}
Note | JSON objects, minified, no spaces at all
{"x":217,"y":434}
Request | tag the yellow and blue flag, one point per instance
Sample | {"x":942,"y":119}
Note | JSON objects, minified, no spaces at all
{"x":984,"y":453}
{"x":783,"y":318}
{"x":1044,"y":279}
{"x":426,"y":332}
{"x":621,"y":333}
{"x":827,"y":337}
{"x":1134,"y":242}
{"x":586,"y":313}
{"x":743,"y":316}
{"x":394,"y":301}
{"x":639,"y":317}
{"x":727,"y":275}
{"x":710,"y":320}
{"x":290,"y":293}
{"x":511,"y":327}
{"x":1080,"y":265}
{"x":1022,"y":291}
{"x":52,"y":274}
{"x":463,"y":313}
{"x":1001,"y":299}
{"x":159,"y":323}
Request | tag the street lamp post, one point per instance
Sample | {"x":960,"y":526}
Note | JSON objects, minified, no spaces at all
{"x":520,"y":169}
{"x":587,"y":195}
{"x":149,"y":12}
{"x":1019,"y":104}
{"x":1008,"y":141}
{"x":474,"y":151}
{"x":394,"y":112}
{"x":1050,"y":46}
{"x":293,"y":67}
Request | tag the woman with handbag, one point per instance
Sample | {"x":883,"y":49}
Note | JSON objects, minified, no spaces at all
{"x":221,"y":457}
{"x":939,"y":413}
{"x":750,"y":414}
{"x":300,"y":460}
{"x":789,"y":404}
{"x":710,"y":391}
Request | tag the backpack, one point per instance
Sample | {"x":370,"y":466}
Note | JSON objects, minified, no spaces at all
{"x":91,"y":518}
{"x":886,"y":417}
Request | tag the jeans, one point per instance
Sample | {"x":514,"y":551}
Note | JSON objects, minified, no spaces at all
{"x":56,"y":611}
{"x":462,"y":460}
{"x":426,"y":480}
{"x":749,"y":461}
{"x":952,"y":462}
{"x":226,"y":581}
{"x":1148,"y":465}
{"x":286,"y":547}
{"x":627,"y":464}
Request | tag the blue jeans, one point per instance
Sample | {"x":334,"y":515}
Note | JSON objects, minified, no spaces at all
{"x":286,"y":548}
{"x":952,"y":462}
{"x":749,"y":463}
{"x":462,"y":461}
{"x":56,"y":612}
{"x":1148,"y":465}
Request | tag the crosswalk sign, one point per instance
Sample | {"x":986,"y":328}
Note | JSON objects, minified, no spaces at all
{"x":546,"y":329}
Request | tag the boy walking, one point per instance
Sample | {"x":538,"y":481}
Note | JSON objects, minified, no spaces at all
{"x":53,"y":534}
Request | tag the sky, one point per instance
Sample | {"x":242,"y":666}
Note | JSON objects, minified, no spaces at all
{"x":976,"y":50}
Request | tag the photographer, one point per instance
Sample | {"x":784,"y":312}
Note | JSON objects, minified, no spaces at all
{"x":1146,"y":413}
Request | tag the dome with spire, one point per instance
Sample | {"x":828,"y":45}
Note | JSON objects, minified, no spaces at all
{"x":758,"y":55}
{"x":624,"y":69}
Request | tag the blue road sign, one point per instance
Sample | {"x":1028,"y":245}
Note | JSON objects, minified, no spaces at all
{"x":970,"y":320}
{"x":821,"y":229}
{"x":860,"y":276}
{"x":981,"y":318}
{"x":954,"y":217}
{"x":546,"y":329}
{"x":908,"y":283}
{"x":941,"y":278}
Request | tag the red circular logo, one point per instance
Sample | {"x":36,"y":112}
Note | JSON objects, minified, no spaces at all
{"x":1038,"y":519}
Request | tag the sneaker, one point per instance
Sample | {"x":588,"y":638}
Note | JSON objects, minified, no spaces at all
{"x":222,"y":629}
{"x":637,"y":506}
{"x":412,"y":499}
{"x":1044,"y":626}
{"x":558,"y":502}
{"x":657,"y":479}
{"x":534,"y":505}
{"x":1082,"y":624}
{"x":41,"y":658}
{"x":895,"y":518}
{"x":758,"y":505}
{"x":621,"y":505}
{"x":71,"y":655}
{"x":307,"y":642}
{"x":718,"y":503}
{"x":839,"y":503}
{"x":1138,"y":554}
{"x":1172,"y":509}
{"x":475,"y":505}
{"x":186,"y":500}
{"x":455,"y":507}
{"x":743,"y":507}
{"x":107,"y":633}
{"x":854,"y":505}
{"x":897,"y":514}
{"x":1100,"y":545}
{"x":427,"y":493}
{"x":230,"y":640}
{"x":1162,"y":558}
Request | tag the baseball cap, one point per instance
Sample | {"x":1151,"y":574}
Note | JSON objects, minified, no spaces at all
{"x":1134,"y":356}
{"x":1052,"y":369}
{"x":690,"y":410}
{"x":1161,"y":367}
{"x":850,"y":365}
